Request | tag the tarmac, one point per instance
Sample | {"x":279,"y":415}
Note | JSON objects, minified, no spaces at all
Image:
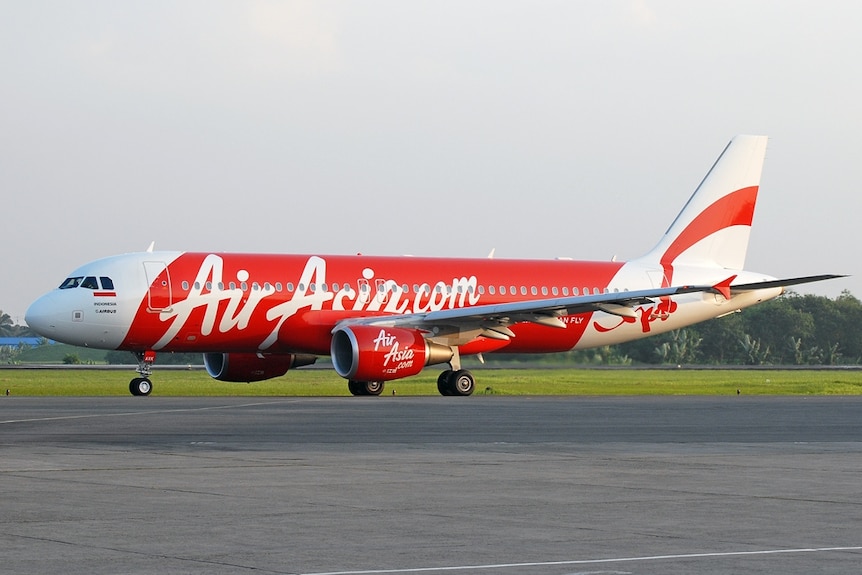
{"x":448,"y":485}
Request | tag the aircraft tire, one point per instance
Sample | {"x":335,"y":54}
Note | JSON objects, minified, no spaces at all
{"x":372,"y":387}
{"x":140,"y":386}
{"x":461,"y":382}
{"x":365,"y":387}
{"x":444,"y":384}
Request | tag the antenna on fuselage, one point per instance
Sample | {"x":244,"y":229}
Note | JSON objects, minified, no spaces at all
{"x":152,"y":245}
{"x":491,"y":255}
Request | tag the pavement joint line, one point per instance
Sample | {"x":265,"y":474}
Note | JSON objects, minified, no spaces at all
{"x":145,"y":412}
{"x":717,"y":554}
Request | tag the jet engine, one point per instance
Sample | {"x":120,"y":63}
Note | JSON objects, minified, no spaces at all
{"x":248,"y":367}
{"x":368,"y":353}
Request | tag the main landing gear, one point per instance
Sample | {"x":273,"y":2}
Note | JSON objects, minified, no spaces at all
{"x":450,"y":382}
{"x":365,"y":387}
{"x":142,"y":385}
{"x":456,"y":382}
{"x":453,"y":381}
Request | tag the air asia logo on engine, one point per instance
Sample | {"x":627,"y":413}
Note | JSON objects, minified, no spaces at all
{"x":395,"y":359}
{"x":229,"y":309}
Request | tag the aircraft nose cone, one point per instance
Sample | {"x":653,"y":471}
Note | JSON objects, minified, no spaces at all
{"x":40,"y":316}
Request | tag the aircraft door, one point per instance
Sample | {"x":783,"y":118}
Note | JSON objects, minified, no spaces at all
{"x":159,"y":296}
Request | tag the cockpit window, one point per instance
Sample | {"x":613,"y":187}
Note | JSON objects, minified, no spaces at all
{"x":90,"y":283}
{"x":70,"y":283}
{"x":107,"y":283}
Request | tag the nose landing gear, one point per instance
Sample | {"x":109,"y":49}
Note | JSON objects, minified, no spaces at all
{"x":142,"y":385}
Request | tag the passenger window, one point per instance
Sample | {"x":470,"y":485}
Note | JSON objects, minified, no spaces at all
{"x":71,"y":283}
{"x":107,"y":283}
{"x":90,"y":283}
{"x":185,"y":286}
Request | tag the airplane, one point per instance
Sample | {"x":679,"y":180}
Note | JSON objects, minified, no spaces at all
{"x":255,"y":316}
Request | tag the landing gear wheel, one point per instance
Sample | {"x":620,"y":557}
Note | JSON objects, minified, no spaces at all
{"x":365,"y":387}
{"x":373,"y":387}
{"x":461,"y":382}
{"x":443,"y":383}
{"x":140,"y":386}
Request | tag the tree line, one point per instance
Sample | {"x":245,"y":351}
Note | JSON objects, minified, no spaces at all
{"x":9,"y":328}
{"x":792,"y":329}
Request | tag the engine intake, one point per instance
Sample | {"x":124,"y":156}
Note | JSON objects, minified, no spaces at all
{"x":248,"y":367}
{"x":368,"y":353}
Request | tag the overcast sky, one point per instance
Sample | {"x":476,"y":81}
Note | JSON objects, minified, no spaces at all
{"x":540,"y":129}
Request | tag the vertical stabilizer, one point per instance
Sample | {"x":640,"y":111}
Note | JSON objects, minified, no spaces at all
{"x":712,"y":229}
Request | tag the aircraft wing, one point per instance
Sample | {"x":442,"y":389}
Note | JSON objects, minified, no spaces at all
{"x":493,"y":320}
{"x":782,"y":283}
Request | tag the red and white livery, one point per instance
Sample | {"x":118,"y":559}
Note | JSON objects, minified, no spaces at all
{"x":254,"y":316}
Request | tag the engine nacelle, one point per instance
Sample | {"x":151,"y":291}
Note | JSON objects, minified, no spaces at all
{"x":248,"y":367}
{"x":368,"y":353}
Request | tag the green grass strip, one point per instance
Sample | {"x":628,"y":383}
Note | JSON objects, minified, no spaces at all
{"x":321,"y":383}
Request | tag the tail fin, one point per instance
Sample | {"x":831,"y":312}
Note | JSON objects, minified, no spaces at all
{"x":713,"y":227}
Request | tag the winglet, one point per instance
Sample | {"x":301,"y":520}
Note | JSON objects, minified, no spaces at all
{"x":724,"y":287}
